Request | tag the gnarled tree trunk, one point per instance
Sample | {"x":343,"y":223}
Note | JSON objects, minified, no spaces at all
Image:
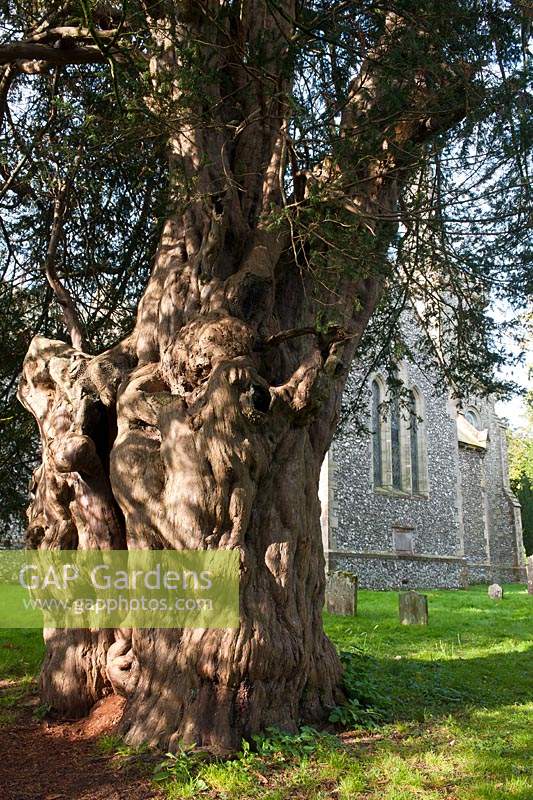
{"x":210,"y":449}
{"x":207,"y":427}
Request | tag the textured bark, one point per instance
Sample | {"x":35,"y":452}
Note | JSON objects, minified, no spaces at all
{"x":207,"y":453}
{"x":72,"y":506}
{"x":207,"y":427}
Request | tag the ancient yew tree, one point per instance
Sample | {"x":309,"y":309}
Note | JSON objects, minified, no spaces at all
{"x":293,"y":159}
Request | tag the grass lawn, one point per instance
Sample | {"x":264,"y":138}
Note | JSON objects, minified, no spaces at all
{"x":440,"y":712}
{"x":21,"y":652}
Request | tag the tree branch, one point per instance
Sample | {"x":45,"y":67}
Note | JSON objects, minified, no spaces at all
{"x":8,"y":73}
{"x":68,"y":308}
{"x":433,"y":100}
{"x":71,"y":32}
{"x":283,"y":336}
{"x":66,"y":53}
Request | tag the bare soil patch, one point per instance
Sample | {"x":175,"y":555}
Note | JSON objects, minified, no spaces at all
{"x":44,"y":760}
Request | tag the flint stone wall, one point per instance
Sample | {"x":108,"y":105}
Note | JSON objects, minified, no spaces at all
{"x":491,"y":513}
{"x":466,"y":530}
{"x":365,"y":524}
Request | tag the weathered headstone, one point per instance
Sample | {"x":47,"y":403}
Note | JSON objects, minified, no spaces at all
{"x":495,"y":591}
{"x":341,"y":594}
{"x":413,"y":608}
{"x":529,"y":568}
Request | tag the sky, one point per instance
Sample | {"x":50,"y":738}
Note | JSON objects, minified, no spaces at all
{"x":514,"y":409}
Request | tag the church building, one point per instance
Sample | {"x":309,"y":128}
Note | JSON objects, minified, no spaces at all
{"x":421,"y":498}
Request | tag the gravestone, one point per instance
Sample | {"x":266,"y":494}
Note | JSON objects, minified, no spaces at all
{"x":341,"y":594}
{"x":413,"y":608}
{"x":495,"y":591}
{"x":529,"y":568}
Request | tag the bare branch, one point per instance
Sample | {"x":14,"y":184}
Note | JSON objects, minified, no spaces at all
{"x":68,"y":308}
{"x":27,"y":50}
{"x":284,"y":336}
{"x":71,"y":32}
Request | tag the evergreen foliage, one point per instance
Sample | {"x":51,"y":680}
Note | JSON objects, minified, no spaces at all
{"x":458,"y":242}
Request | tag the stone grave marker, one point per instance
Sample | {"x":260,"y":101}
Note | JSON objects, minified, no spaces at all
{"x":413,"y":608}
{"x":341,"y":594}
{"x":495,"y":591}
{"x":529,"y":568}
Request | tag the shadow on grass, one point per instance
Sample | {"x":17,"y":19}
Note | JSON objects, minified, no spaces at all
{"x":410,"y":690}
{"x":461,"y":727}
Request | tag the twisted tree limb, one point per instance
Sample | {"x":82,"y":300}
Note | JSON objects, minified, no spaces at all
{"x":68,"y":309}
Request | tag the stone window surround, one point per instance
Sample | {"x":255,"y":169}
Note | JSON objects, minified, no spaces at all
{"x":387,"y":488}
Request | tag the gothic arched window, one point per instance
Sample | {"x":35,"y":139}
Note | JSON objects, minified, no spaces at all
{"x":399,"y":453}
{"x":414,"y":443}
{"x":396,"y":444}
{"x":377,"y":444}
